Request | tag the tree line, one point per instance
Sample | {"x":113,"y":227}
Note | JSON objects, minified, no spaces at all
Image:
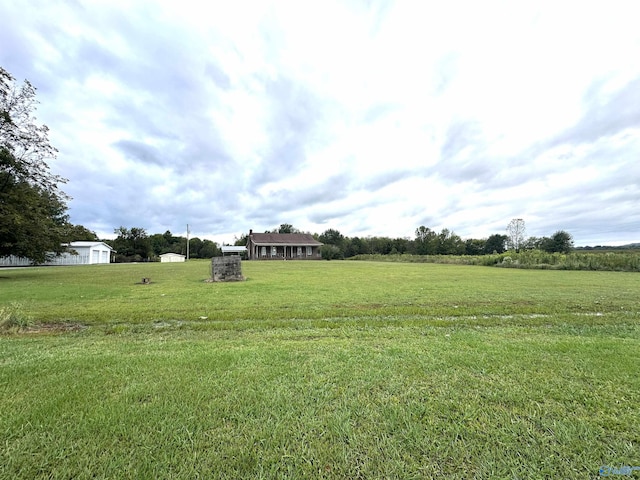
{"x":135,"y":245}
{"x":431,"y":242}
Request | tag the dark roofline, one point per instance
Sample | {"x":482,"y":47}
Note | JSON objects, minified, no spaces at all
{"x":297,"y":239}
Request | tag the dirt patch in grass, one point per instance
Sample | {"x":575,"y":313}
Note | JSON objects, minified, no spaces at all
{"x":55,"y":327}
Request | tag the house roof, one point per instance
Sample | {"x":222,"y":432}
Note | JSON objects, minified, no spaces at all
{"x":85,"y":244}
{"x":297,"y":239}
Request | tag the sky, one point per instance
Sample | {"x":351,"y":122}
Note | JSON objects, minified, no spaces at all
{"x":369,"y":117}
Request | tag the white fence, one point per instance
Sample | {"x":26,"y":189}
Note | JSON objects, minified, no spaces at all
{"x":64,"y":259}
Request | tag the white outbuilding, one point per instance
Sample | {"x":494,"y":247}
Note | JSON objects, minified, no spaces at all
{"x":88,"y":253}
{"x":172,"y":257}
{"x":78,"y":253}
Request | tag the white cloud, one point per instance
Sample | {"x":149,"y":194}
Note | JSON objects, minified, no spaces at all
{"x":370,"y":117}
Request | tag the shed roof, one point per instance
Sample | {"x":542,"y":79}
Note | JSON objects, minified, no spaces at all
{"x":233,"y":249}
{"x":85,"y":244}
{"x":173,"y":255}
{"x":297,"y":239}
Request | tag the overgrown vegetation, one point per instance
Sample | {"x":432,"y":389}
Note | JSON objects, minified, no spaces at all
{"x":618,"y":261}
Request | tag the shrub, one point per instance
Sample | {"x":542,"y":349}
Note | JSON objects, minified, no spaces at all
{"x":330,"y":252}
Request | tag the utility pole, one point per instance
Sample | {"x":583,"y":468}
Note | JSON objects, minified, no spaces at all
{"x":187,"y":242}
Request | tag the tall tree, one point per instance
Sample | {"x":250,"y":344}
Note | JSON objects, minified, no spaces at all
{"x":32,"y":207}
{"x":426,"y":241}
{"x":159,"y":243}
{"x":356,"y":246}
{"x":26,"y":142}
{"x":560,"y":241}
{"x":495,"y":243}
{"x":449,"y":243}
{"x":75,"y":233}
{"x":516,"y":233}
{"x":195,"y":244}
{"x":132,"y":245}
{"x":209,"y":249}
{"x":473,"y":246}
{"x":332,"y":237}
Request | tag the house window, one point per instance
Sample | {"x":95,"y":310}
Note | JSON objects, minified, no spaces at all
{"x":309,"y":250}
{"x":264,"y":252}
{"x":299,"y":251}
{"x":274,"y":251}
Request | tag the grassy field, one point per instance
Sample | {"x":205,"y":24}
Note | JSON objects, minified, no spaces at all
{"x":319,"y":370}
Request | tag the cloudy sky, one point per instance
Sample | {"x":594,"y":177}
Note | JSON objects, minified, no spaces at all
{"x":370,"y":117}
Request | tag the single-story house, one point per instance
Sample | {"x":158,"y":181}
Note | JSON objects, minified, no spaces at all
{"x":233,"y":250}
{"x":282,"y":246}
{"x":172,"y":257}
{"x":80,"y":253}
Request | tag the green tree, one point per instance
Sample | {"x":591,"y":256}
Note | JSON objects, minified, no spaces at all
{"x":534,"y":243}
{"x":380,"y":245}
{"x":32,"y":207}
{"x":168,"y":238}
{"x":132,"y":245}
{"x":25,"y":141}
{"x":335,"y":238}
{"x":78,"y":233}
{"x":356,"y":246}
{"x":449,"y":243}
{"x":209,"y":249}
{"x":400,"y":245}
{"x":33,"y":222}
{"x":332,"y":237}
{"x":495,"y":243}
{"x":242,"y":241}
{"x":561,"y":242}
{"x":158,"y":244}
{"x":474,"y":246}
{"x":195,"y":245}
{"x":426,"y":241}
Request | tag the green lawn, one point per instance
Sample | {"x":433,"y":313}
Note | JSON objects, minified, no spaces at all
{"x":277,"y":292}
{"x":320,"y":370}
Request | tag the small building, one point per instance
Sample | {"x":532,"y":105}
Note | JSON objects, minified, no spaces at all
{"x":282,"y":246}
{"x":78,"y":253}
{"x":172,"y":257}
{"x":88,"y":253}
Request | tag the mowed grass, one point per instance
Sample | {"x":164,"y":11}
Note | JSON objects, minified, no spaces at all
{"x":276,"y":292}
{"x":320,"y":370}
